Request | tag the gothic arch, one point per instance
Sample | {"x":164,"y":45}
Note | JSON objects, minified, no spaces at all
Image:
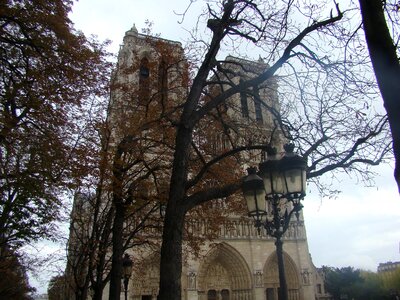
{"x":271,"y":275}
{"x":230,"y":270}
{"x":145,"y":52}
{"x":144,"y":80}
{"x":146,"y":279}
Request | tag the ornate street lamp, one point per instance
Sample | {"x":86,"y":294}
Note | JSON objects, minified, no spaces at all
{"x":127,"y":270}
{"x":254,"y":194}
{"x":274,"y":197}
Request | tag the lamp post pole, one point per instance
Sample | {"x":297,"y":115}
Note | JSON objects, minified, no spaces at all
{"x":127,"y":268}
{"x":275,"y":229}
{"x":272,"y":199}
{"x":126,"y":281}
{"x":281,"y":270}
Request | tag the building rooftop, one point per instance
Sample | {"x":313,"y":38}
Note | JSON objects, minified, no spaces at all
{"x":388,"y":266}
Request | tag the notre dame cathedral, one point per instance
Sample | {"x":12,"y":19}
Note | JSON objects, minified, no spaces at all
{"x":240,"y":262}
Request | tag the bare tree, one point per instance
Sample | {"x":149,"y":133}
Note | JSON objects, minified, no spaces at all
{"x":321,"y":115}
{"x":310,"y":60}
{"x":96,"y":219}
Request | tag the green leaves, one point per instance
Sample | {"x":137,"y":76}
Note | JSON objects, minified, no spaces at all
{"x":350,"y":283}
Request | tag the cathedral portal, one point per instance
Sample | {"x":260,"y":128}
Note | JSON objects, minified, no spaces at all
{"x":224,"y":274}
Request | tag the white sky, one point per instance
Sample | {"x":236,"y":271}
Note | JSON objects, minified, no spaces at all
{"x":360,"y":228}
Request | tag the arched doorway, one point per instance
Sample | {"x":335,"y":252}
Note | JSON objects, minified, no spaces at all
{"x":271,"y":278}
{"x":223,"y":294}
{"x":212,"y":295}
{"x":224,"y":274}
{"x":145,"y":281}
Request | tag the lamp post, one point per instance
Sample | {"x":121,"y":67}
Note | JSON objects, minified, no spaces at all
{"x":274,"y":197}
{"x":127,"y":270}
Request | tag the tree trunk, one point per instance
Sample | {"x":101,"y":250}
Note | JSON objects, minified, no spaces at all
{"x":98,"y":291}
{"x":118,"y":224}
{"x":81,"y":293}
{"x":386,"y":67}
{"x":117,"y":242}
{"x":171,"y":247}
{"x":100,"y":281}
{"x":171,"y":257}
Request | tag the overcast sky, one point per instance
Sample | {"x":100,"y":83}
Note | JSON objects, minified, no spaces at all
{"x":360,"y":228}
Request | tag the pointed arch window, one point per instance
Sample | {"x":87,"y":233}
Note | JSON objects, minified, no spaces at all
{"x":144,"y":81}
{"x":243,"y":103}
{"x":257,"y":105}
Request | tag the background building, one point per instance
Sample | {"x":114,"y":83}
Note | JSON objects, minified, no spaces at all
{"x":388,"y":267}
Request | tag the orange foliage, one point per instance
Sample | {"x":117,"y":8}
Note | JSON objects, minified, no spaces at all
{"x":51,"y":78}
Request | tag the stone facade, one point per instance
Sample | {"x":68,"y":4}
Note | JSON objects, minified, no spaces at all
{"x":240,"y":263}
